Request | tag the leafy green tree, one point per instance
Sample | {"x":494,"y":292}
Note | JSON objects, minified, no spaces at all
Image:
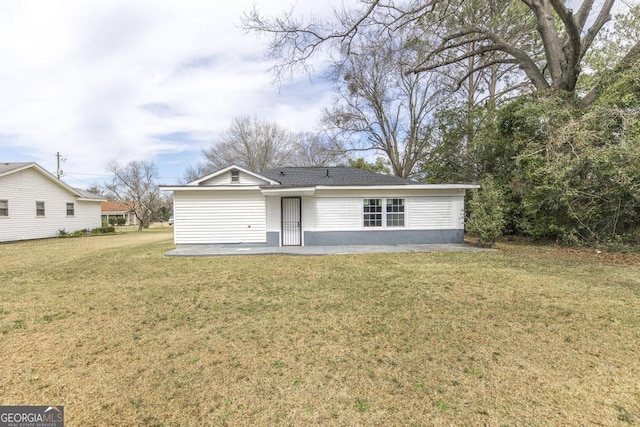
{"x":486,"y":218}
{"x":574,"y":174}
{"x":380,"y":166}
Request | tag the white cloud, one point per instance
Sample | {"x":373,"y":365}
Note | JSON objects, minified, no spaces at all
{"x":116,"y":79}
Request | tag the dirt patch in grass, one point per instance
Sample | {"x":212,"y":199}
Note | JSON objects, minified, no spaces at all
{"x":119,"y":334}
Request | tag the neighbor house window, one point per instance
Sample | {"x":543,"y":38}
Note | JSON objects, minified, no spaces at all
{"x":395,"y":212}
{"x":4,"y":208}
{"x":235,"y":176}
{"x":372,"y":212}
{"x":70,"y":209}
{"x":39,"y":208}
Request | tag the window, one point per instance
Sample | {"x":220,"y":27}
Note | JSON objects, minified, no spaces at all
{"x":70,"y":209}
{"x":395,"y":212}
{"x":373,"y":212}
{"x":4,"y":208}
{"x":39,"y":208}
{"x":235,"y":176}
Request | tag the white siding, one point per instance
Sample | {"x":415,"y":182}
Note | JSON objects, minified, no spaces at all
{"x":421,"y":213}
{"x":22,"y":189}
{"x":219,"y":217}
{"x":337,"y":214}
{"x":225,"y":179}
{"x":436,"y":213}
{"x":273,"y":213}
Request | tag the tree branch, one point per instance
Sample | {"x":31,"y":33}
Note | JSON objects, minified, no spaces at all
{"x":603,"y":17}
{"x":572,"y":47}
{"x":583,"y":13}
{"x":629,"y":60}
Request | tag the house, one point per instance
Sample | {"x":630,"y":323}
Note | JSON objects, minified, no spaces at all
{"x":35,"y":204}
{"x":294,"y":206}
{"x":118,"y":210}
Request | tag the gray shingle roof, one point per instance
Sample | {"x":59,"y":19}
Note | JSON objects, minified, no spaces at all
{"x":6,"y":167}
{"x":336,"y":176}
{"x":88,"y":195}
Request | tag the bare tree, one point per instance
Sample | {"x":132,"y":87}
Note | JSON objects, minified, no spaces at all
{"x":198,"y":171}
{"x":383,"y":109}
{"x":252,"y":143}
{"x":134,"y":185}
{"x":315,"y":149}
{"x":260,"y":145}
{"x":552,"y":59}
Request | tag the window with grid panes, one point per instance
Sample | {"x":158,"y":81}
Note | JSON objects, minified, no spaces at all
{"x":395,"y":212}
{"x":70,"y":209}
{"x":4,"y":208}
{"x":372,"y":209}
{"x":39,"y":208}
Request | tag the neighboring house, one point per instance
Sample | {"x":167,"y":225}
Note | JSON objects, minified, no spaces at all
{"x":118,"y":210}
{"x":34,"y":204}
{"x":294,"y":206}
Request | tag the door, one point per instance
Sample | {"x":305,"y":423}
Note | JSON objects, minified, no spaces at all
{"x":291,"y":221}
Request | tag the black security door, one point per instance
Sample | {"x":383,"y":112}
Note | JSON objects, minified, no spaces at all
{"x":291,"y":221}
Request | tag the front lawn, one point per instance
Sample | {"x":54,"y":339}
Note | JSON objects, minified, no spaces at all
{"x":121,"y":335}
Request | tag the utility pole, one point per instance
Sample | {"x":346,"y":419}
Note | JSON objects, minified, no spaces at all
{"x":59,"y":158}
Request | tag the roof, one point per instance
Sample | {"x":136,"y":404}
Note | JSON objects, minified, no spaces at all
{"x":88,"y":194}
{"x":7,"y":168}
{"x":331,"y":176}
{"x":200,"y":180}
{"x":110,"y":206}
{"x":305,"y":180}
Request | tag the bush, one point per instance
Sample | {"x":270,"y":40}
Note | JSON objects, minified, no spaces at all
{"x":78,"y":233}
{"x":103,"y":230}
{"x":486,"y":219}
{"x":117,"y":221}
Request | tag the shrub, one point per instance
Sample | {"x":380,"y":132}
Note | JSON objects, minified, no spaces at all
{"x":486,"y":219}
{"x":103,"y":230}
{"x":117,"y":221}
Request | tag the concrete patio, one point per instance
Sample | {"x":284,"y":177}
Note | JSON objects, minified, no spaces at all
{"x":245,"y":249}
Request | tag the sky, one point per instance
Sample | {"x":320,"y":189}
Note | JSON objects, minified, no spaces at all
{"x":125,"y":80}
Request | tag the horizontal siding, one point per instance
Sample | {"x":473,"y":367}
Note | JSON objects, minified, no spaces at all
{"x":337,"y":214}
{"x":22,"y":190}
{"x":433,"y":213}
{"x":225,"y":179}
{"x":422,"y":213}
{"x":219,"y":217}
{"x":273,"y":213}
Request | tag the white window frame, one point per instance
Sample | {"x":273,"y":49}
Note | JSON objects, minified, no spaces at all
{"x":403,"y":213}
{"x":4,"y":210}
{"x":235,"y":175}
{"x":44,"y":211}
{"x":370,"y":214}
{"x":384,"y":213}
{"x":73,"y":209}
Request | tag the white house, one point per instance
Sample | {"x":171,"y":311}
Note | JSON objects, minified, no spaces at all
{"x":35,"y":204}
{"x":295,"y":206}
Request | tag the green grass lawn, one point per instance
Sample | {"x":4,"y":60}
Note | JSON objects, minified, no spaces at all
{"x":121,"y":335}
